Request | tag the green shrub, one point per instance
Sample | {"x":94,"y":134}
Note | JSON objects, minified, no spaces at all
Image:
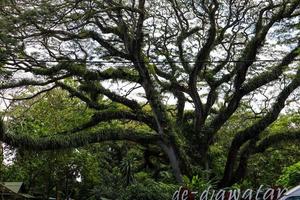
{"x":149,"y":190}
{"x":290,"y":176}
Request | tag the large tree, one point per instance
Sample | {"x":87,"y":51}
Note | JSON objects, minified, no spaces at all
{"x":181,"y":68}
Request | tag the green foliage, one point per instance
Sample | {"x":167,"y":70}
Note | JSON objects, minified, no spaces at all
{"x":53,"y":113}
{"x":149,"y":190}
{"x":198,"y":183}
{"x":113,"y":169}
{"x":110,"y":169}
{"x":127,"y":170}
{"x":46,"y":173}
{"x":290,"y":176}
{"x":264,"y":168}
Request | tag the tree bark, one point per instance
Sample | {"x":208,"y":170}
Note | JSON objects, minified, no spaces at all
{"x":174,"y":161}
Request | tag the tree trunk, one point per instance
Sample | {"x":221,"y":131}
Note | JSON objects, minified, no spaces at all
{"x":174,"y":161}
{"x":58,"y":191}
{"x":1,"y":159}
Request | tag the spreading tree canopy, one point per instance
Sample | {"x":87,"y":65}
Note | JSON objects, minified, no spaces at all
{"x":180,"y":69}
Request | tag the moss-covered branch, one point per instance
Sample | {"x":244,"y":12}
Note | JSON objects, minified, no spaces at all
{"x":274,"y":139}
{"x":108,"y":115}
{"x":253,"y":131}
{"x":76,"y":140}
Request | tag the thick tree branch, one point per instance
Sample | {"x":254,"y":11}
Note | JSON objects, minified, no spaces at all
{"x":78,"y":140}
{"x":108,"y":115}
{"x":134,"y":105}
{"x":289,"y":135}
{"x":201,"y":57}
{"x":76,"y":68}
{"x":254,"y":147}
{"x":247,"y":58}
{"x":254,"y":45}
{"x":80,"y":95}
{"x":270,"y":75}
{"x":30,"y":82}
{"x":254,"y":130}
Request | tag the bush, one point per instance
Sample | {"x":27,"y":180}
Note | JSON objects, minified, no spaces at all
{"x":149,"y":190}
